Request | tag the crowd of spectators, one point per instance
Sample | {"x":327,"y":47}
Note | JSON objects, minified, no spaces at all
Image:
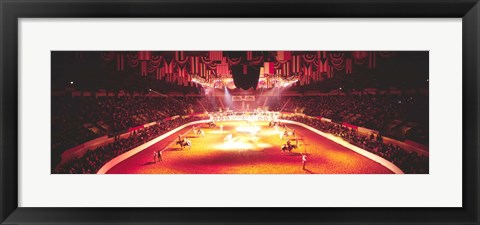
{"x":371,"y":111}
{"x":111,"y":115}
{"x":275,"y":103}
{"x":407,"y":161}
{"x":72,"y":118}
{"x":211,"y":104}
{"x":94,"y":159}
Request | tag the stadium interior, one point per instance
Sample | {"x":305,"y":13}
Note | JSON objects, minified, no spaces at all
{"x":239,"y":112}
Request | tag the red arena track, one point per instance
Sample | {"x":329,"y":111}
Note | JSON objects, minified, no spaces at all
{"x":246,"y":154}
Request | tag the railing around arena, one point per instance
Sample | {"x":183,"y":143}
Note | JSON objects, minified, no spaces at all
{"x":110,"y":164}
{"x":81,"y":149}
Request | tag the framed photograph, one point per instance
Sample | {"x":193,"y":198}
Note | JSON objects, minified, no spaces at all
{"x":254,"y":112}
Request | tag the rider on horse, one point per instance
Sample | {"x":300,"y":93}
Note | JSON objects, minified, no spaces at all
{"x":289,"y":146}
{"x":200,"y":132}
{"x":183,"y":142}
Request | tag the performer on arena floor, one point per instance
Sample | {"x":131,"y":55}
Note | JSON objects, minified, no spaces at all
{"x":304,"y":161}
{"x":228,"y":138}
{"x":159,"y":156}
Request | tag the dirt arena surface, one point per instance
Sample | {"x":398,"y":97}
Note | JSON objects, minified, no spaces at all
{"x":248,"y":154}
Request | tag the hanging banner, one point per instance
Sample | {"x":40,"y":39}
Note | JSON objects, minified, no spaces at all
{"x":169,"y":65}
{"x":120,"y":62}
{"x":284,"y":55}
{"x":216,"y":55}
{"x":296,"y":64}
{"x":195,"y":65}
{"x":286,"y":69}
{"x":360,"y":57}
{"x":309,"y":57}
{"x":249,"y":55}
{"x":144,"y":68}
{"x":372,"y":60}
{"x":223,"y":67}
{"x":269,"y":68}
{"x":144,"y":55}
{"x":348,"y":66}
{"x":181,"y":57}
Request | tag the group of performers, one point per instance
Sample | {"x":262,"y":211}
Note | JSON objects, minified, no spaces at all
{"x":184,"y":142}
{"x":257,"y":115}
{"x":288,"y":146}
{"x":287,"y":134}
{"x":187,"y":143}
{"x":273,"y":123}
{"x":290,"y":135}
{"x":211,"y":124}
{"x":228,"y":138}
{"x":199,"y":132}
{"x":157,"y":156}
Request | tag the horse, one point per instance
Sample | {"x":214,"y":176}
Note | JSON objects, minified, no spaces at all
{"x":184,"y":143}
{"x":200,"y":132}
{"x":211,"y":125}
{"x":284,"y":134}
{"x":273,"y":124}
{"x":289,"y":147}
{"x":228,"y":138}
{"x":288,"y":134}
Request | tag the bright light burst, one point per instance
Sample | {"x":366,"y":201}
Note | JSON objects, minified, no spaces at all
{"x":241,"y":144}
{"x":248,"y":129}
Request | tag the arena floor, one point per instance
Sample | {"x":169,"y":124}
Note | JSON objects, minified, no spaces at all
{"x":245,"y":154}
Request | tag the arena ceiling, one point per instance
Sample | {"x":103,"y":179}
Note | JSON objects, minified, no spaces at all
{"x":244,"y":69}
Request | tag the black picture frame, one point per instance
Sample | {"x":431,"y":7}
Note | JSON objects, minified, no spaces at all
{"x":12,"y":10}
